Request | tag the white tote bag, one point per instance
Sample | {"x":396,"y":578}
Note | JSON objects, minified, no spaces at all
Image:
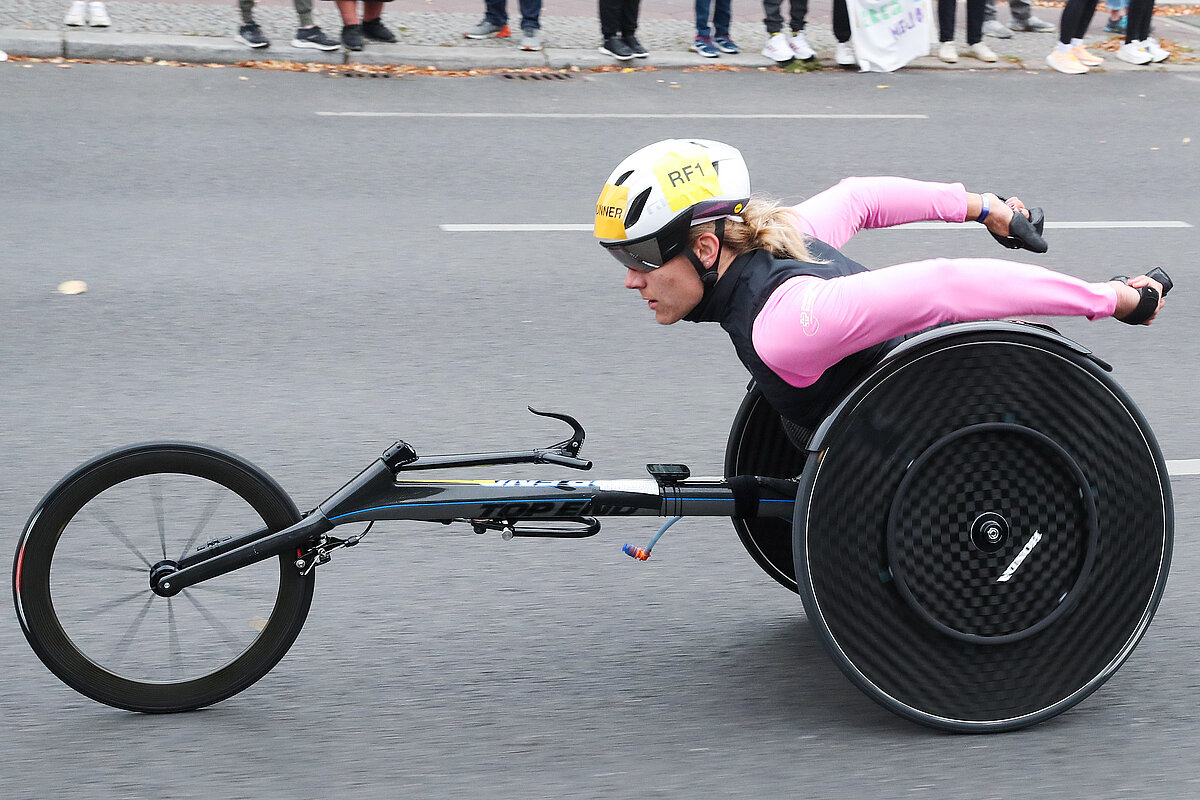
{"x":887,"y":34}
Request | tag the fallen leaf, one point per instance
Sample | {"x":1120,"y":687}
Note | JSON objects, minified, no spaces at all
{"x":72,"y":287}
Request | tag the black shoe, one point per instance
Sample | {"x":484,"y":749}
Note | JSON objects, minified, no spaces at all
{"x":352,"y":37}
{"x":635,"y":46}
{"x":252,"y":36}
{"x":375,"y":29}
{"x":314,"y":39}
{"x":615,"y":46}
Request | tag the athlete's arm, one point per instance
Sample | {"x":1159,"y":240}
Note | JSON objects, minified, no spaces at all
{"x":809,"y":324}
{"x":854,"y":204}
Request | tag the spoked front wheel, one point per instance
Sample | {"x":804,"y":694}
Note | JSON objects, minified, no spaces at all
{"x":81,"y":580}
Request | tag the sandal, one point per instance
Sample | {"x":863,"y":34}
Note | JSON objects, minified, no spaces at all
{"x":1148,"y":303}
{"x":1024,"y":233}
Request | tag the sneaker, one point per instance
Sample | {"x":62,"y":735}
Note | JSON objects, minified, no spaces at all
{"x":1157,"y":53}
{"x":1032,"y":25}
{"x":705,"y":47}
{"x":98,"y":15}
{"x":1065,"y":62}
{"x":635,"y":46}
{"x":352,"y":37}
{"x":488,"y":30}
{"x":1134,"y":53}
{"x":948,"y":52}
{"x":982,"y":52}
{"x":777,"y":48}
{"x":531,"y":40}
{"x":314,"y":39}
{"x":76,"y":14}
{"x":725,"y":44}
{"x":997,"y":29}
{"x":615,"y":46}
{"x":1086,"y":57}
{"x":1117,"y":25}
{"x":375,"y":29}
{"x":800,"y":46}
{"x":843,"y":54}
{"x":252,"y":36}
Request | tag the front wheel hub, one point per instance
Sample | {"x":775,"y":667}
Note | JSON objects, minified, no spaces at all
{"x":160,"y":582}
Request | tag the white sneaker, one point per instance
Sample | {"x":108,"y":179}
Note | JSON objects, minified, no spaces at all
{"x":1066,"y":62}
{"x":996,"y":28}
{"x":800,"y":47}
{"x":1157,"y":53}
{"x":1134,"y":53}
{"x":777,"y":48}
{"x":76,"y":14}
{"x":948,"y":53}
{"x":844,"y":55}
{"x":97,"y":16}
{"x":1086,"y":57}
{"x":982,"y":52}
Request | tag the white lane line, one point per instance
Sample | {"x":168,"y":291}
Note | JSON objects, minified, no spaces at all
{"x":1089,"y":225}
{"x":924,"y":226}
{"x":1186,"y":466}
{"x":514,"y":115}
{"x":449,"y":228}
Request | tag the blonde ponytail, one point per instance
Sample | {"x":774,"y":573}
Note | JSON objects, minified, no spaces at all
{"x":766,"y":225}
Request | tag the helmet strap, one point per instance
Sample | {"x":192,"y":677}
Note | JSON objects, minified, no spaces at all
{"x":709,"y":275}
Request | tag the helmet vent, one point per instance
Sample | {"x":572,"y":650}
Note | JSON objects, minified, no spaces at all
{"x":621,"y":180}
{"x":635,"y":208}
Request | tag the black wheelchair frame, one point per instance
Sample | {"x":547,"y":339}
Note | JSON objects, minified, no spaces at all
{"x":904,"y":522}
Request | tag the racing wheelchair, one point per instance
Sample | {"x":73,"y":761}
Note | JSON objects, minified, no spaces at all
{"x":980,"y":532}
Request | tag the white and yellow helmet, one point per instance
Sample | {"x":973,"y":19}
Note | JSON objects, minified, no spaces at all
{"x":656,"y":195}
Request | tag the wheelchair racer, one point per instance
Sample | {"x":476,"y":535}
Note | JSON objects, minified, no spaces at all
{"x":804,"y":319}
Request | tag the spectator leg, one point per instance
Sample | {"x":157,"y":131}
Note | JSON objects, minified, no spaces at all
{"x":841,"y":21}
{"x":531,"y":15}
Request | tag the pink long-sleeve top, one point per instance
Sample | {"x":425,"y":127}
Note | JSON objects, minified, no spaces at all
{"x":809,"y":324}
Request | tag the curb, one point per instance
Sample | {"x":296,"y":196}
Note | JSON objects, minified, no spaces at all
{"x":103,"y":45}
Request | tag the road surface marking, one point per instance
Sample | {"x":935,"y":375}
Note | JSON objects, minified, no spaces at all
{"x":526,"y":227}
{"x":593,"y":115}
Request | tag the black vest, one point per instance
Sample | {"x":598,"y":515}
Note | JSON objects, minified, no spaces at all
{"x":739,"y":296}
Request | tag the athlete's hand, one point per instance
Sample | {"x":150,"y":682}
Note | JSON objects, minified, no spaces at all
{"x":1002,"y":212}
{"x":1129,"y":296}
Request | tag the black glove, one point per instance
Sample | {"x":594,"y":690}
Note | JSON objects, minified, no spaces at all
{"x":1025,"y":233}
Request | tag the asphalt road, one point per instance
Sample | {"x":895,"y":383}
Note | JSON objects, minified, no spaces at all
{"x":275,"y":282}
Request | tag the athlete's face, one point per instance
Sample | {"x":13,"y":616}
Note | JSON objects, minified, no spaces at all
{"x":672,"y":290}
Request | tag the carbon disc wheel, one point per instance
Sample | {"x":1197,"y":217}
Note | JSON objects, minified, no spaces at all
{"x":984,"y":531}
{"x":81,"y":579}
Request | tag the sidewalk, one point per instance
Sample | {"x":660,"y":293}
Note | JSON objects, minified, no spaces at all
{"x":201,"y":31}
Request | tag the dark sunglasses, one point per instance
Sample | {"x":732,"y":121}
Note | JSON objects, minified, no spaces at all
{"x":651,"y":252}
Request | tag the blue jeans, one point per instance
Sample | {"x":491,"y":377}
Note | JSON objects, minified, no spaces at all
{"x":722,"y":16}
{"x":497,"y":13}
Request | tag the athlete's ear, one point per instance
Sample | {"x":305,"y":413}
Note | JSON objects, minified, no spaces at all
{"x":707,"y":247}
